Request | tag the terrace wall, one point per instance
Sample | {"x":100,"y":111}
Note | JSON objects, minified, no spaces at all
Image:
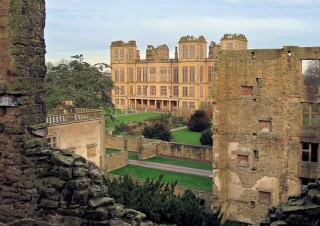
{"x":116,"y":160}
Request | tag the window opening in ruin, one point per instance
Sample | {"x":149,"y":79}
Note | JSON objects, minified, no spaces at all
{"x":247,"y":90}
{"x":309,"y":152}
{"x":256,"y":154}
{"x":306,"y":181}
{"x":259,"y":82}
{"x":52,"y":141}
{"x":311,"y":114}
{"x":289,"y":53}
{"x":253,"y":55}
{"x":264,"y":197}
{"x":254,"y":134}
{"x":265,"y":125}
{"x":91,"y":150}
{"x":243,"y":160}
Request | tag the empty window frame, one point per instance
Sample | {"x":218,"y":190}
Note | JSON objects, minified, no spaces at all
{"x":184,"y":74}
{"x":265,"y":197}
{"x":152,"y":74}
{"x":243,"y":160}
{"x":163,"y":91}
{"x":192,"y":74}
{"x":176,"y":74}
{"x":163,"y":74}
{"x":91,"y":150}
{"x":153,"y":90}
{"x":309,"y":152}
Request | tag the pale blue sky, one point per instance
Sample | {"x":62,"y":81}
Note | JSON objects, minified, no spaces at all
{"x":89,"y":26}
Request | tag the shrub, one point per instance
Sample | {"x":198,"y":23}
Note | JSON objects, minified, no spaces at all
{"x":206,"y":137}
{"x":199,"y":121}
{"x":158,"y":131}
{"x":120,"y":129}
{"x":156,"y":199}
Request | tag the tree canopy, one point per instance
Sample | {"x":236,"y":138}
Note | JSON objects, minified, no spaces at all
{"x":84,"y":84}
{"x":199,"y":121}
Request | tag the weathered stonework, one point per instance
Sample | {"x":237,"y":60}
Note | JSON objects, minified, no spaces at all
{"x":258,"y":130}
{"x":41,"y":185}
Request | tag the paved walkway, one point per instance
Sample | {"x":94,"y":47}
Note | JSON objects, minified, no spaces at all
{"x":179,"y":169}
{"x":179,"y":128}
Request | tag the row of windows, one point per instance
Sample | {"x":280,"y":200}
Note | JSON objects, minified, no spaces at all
{"x":188,"y":52}
{"x":118,"y":54}
{"x":143,"y":90}
{"x":186,"y":104}
{"x":119,"y":90}
{"x":188,"y":74}
{"x":120,"y":101}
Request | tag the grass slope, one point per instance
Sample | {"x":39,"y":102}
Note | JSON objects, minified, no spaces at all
{"x":130,"y":118}
{"x":186,"y":180}
{"x":185,"y":136}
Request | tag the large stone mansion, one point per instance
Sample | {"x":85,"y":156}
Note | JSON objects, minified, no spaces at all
{"x":161,"y":83}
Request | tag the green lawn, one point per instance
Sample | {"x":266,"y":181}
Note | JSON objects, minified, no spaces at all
{"x":130,"y":118}
{"x":112,"y":150}
{"x":185,"y":136}
{"x":133,"y":155}
{"x":186,"y":180}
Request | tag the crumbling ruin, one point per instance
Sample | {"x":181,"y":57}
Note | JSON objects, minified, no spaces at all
{"x":41,"y":185}
{"x":263,"y":148}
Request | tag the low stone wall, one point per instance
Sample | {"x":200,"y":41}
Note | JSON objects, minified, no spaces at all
{"x":116,"y":160}
{"x":186,"y":151}
{"x":133,"y":143}
{"x":148,"y":148}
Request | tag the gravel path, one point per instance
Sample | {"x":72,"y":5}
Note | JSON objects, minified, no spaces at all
{"x":179,"y":169}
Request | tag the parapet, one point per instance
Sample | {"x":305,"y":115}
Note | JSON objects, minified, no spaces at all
{"x":122,"y":43}
{"x":190,"y":38}
{"x":240,"y":37}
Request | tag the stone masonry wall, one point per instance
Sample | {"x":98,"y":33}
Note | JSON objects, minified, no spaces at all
{"x":38,"y":185}
{"x":258,"y":129}
{"x":148,"y":148}
{"x":116,"y":160}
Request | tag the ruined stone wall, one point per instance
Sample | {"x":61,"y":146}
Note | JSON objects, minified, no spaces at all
{"x":133,"y":143}
{"x":257,"y":129}
{"x":116,"y":160}
{"x":38,"y":185}
{"x":148,"y":150}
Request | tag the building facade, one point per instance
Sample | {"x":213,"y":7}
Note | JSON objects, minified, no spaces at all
{"x":80,"y":131}
{"x":161,"y":83}
{"x":266,"y":130}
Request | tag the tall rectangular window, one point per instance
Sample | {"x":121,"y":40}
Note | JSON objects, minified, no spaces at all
{"x":153,"y":90}
{"x":121,"y":54}
{"x":116,"y":75}
{"x":145,"y":74}
{"x":163,"y":74}
{"x":201,"y":52}
{"x":192,"y":74}
{"x":138,"y":74}
{"x":184,"y":52}
{"x":185,"y":74}
{"x":210,"y":73}
{"x":130,"y":74}
{"x":176,"y":74}
{"x":191,"y":92}
{"x":121,"y":74}
{"x":163,"y":90}
{"x":131,"y":54}
{"x":192,"y":52}
{"x":131,"y":90}
{"x":123,"y":90}
{"x":116,"y":54}
{"x":116,"y":90}
{"x":311,"y":114}
{"x":201,"y":74}
{"x":152,"y":74}
{"x":184,"y":91}
{"x":145,"y":90}
{"x":201,"y":91}
{"x":176,"y":91}
{"x":191,"y":105}
{"x":139,"y":90}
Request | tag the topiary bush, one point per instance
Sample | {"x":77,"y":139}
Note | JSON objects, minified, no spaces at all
{"x":199,"y":121}
{"x":158,"y":130}
{"x":206,"y":137}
